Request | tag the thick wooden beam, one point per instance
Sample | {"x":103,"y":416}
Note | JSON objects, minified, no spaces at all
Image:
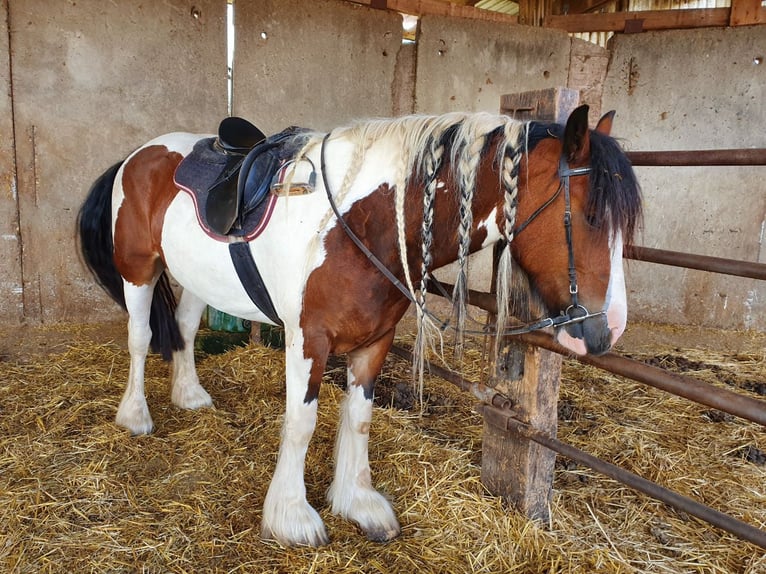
{"x":584,"y":6}
{"x":552,"y":104}
{"x":640,"y":21}
{"x":746,"y":12}
{"x":438,"y":8}
{"x":516,"y":468}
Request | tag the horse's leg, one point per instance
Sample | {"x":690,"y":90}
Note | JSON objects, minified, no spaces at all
{"x":133,"y":412}
{"x":186,"y":390}
{"x":287,"y":515}
{"x":352,"y":494}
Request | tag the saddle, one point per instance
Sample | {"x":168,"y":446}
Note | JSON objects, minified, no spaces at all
{"x":229,"y":176}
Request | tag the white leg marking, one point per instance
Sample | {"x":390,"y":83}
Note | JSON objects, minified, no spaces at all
{"x":133,"y":412}
{"x":287,"y":515}
{"x":352,"y":495}
{"x":186,"y":390}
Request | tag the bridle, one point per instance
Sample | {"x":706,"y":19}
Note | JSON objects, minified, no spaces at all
{"x":574,"y":313}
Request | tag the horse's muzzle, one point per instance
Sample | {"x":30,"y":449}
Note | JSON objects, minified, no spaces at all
{"x":590,"y":336}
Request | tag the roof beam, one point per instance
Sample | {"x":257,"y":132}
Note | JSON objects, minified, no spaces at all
{"x":640,"y":21}
{"x":438,"y":8}
{"x":745,"y":12}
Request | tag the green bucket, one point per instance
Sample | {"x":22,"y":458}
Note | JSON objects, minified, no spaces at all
{"x":219,"y":321}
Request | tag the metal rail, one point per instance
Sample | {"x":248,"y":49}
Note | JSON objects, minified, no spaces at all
{"x":505,"y":419}
{"x":701,"y":262}
{"x":717,"y":157}
{"x":498,"y":411}
{"x":681,"y":385}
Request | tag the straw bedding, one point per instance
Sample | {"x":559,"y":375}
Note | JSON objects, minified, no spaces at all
{"x":79,"y":494}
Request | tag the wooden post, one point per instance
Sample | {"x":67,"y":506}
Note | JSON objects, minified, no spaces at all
{"x":518,"y":469}
{"x":551,"y":105}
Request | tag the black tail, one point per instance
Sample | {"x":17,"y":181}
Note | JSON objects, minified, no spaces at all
{"x":94,"y":223}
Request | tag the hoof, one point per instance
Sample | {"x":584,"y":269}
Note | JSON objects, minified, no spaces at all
{"x":292,"y":522}
{"x":369,"y":510}
{"x":191,"y":398}
{"x":137,"y":421}
{"x":313,"y":538}
{"x":383,"y":535}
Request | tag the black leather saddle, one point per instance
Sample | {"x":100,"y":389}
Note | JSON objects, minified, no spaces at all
{"x":229,"y":176}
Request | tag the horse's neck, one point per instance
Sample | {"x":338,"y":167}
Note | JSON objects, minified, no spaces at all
{"x":486,"y":213}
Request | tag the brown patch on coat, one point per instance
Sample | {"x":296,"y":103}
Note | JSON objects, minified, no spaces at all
{"x":349,"y":306}
{"x":147,"y":183}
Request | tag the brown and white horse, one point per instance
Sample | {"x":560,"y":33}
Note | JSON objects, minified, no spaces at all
{"x":417,"y":193}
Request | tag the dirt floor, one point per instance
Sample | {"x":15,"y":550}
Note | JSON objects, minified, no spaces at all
{"x":77,"y":493}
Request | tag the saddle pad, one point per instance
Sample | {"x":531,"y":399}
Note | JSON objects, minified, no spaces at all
{"x":199,"y":171}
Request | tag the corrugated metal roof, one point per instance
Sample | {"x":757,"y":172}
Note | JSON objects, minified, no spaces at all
{"x":504,"y":6}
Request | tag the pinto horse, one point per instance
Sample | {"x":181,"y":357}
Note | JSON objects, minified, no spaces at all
{"x":394,"y":200}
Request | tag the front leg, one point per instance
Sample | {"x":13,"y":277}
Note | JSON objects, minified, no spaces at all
{"x":352,"y":494}
{"x":287,"y":515}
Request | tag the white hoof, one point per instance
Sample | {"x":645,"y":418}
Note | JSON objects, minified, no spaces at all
{"x":135,"y":418}
{"x":369,"y":510}
{"x":192,"y":396}
{"x":293,"y":523}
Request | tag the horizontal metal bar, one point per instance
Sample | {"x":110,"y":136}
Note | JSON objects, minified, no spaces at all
{"x":485,"y":394}
{"x":681,"y":385}
{"x":751,"y":156}
{"x":506,"y":420}
{"x":703,"y":262}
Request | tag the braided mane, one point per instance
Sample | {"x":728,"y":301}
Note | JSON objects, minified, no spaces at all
{"x":423,"y":144}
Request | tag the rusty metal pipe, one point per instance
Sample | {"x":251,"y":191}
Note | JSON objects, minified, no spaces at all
{"x":703,"y":262}
{"x":680,"y":385}
{"x":506,"y":420}
{"x":485,"y":394}
{"x":705,"y":157}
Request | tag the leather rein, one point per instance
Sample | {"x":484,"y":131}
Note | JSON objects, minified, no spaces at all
{"x":574,"y":313}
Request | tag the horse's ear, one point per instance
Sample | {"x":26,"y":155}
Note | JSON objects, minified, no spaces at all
{"x":576,"y":140}
{"x":604,"y":125}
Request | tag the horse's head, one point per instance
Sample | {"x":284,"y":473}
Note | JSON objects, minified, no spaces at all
{"x":576,"y":267}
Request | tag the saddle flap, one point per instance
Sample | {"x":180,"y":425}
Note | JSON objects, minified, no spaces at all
{"x":222,"y":204}
{"x":237,"y":135}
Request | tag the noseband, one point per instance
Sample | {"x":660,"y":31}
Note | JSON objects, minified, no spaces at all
{"x":574,"y":313}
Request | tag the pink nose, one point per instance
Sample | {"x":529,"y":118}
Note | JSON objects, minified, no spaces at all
{"x":577,"y":346}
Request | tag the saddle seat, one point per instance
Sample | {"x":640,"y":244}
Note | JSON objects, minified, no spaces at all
{"x":229,"y":176}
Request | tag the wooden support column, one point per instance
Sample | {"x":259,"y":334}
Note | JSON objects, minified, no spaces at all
{"x":746,"y":12}
{"x":518,"y":469}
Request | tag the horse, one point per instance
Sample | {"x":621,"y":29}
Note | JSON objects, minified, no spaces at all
{"x":341,"y":262}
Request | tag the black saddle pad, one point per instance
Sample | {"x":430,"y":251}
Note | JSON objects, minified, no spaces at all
{"x":207,"y":164}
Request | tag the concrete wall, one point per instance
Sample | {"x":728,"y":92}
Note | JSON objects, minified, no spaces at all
{"x":316,"y":64}
{"x":686,"y":90}
{"x":11,"y":307}
{"x":91,"y":81}
{"x":468,"y":64}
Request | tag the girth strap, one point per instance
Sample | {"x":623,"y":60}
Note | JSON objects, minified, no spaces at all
{"x":251,"y":280}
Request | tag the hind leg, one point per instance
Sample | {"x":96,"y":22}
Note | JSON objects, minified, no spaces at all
{"x":133,"y":412}
{"x":186,"y":390}
{"x":351,"y":494}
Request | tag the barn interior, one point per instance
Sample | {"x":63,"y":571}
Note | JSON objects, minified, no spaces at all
{"x":86,"y":84}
